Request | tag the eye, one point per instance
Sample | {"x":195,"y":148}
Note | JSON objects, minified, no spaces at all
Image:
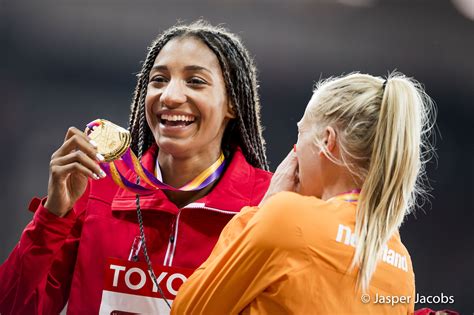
{"x":159,"y":79}
{"x":196,"y":81}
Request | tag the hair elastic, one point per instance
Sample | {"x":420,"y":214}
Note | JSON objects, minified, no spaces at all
{"x":384,"y":84}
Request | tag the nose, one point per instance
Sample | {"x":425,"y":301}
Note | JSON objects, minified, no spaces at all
{"x":173,"y":94}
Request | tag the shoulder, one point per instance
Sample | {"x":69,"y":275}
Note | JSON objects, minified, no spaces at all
{"x":262,"y":176}
{"x":289,"y":204}
{"x":281,"y":222}
{"x":244,"y":181}
{"x":289,"y":209}
{"x":238,"y":161}
{"x":261,"y":182}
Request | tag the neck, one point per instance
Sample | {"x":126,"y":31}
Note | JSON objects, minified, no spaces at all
{"x":178,"y":171}
{"x":340,"y":183}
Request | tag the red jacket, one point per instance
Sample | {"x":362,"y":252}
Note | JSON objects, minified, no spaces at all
{"x":61,"y":260}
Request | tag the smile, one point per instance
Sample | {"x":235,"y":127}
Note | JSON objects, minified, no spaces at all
{"x":172,"y":120}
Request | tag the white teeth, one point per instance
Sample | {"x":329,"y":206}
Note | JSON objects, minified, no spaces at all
{"x":177,"y":117}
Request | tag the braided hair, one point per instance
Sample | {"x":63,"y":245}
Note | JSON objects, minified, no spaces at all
{"x":240,"y":80}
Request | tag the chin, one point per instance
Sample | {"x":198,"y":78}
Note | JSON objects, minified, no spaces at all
{"x":174,"y":147}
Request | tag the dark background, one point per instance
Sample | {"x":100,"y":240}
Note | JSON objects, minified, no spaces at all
{"x":65,"y":63}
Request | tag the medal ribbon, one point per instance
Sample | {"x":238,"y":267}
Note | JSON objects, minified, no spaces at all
{"x":208,"y":176}
{"x":349,"y":196}
{"x":132,"y":163}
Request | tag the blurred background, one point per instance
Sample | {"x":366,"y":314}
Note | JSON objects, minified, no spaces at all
{"x":65,"y":63}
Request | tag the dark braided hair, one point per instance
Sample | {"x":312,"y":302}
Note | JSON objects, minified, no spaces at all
{"x":241,"y":85}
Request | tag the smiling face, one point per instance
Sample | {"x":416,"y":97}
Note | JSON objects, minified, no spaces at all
{"x":187,"y":108}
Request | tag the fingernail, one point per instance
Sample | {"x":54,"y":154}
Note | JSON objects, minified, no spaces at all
{"x":94,"y":144}
{"x":100,"y":157}
{"x":102,"y":174}
{"x":94,"y":176}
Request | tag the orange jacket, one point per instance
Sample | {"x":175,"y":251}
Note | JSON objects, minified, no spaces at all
{"x":292,"y":256}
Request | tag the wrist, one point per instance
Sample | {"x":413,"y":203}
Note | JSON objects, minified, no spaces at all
{"x":54,"y":209}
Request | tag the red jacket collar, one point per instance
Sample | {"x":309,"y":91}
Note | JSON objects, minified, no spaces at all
{"x":233,"y":191}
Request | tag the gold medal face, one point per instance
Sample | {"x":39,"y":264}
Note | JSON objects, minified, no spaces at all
{"x":112,"y":140}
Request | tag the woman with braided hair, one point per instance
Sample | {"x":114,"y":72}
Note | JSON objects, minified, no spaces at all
{"x":195,"y":101}
{"x":328,"y":242}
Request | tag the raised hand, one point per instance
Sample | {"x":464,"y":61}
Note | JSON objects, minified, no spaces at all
{"x":285,"y":177}
{"x":70,"y":167}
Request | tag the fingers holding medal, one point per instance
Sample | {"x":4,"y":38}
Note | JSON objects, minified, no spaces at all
{"x":79,"y":153}
{"x":70,"y":167}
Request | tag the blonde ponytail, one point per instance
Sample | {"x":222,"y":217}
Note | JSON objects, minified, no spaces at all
{"x":383,"y":140}
{"x":389,"y":189}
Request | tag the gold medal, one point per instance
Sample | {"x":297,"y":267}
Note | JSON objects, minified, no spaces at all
{"x":112,"y":140}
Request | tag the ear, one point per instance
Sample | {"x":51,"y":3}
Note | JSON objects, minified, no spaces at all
{"x":230,"y":111}
{"x":330,"y":139}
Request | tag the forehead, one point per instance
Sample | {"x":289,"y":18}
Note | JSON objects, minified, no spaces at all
{"x":187,"y":50}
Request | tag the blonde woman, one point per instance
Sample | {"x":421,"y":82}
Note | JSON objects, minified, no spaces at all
{"x":333,"y":247}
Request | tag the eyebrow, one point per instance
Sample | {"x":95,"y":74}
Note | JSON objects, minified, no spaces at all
{"x":187,"y":68}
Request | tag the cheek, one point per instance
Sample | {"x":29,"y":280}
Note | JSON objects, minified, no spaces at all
{"x":215,"y":114}
{"x":149,"y":115}
{"x":149,"y":99}
{"x":152,"y":95}
{"x":304,"y":165}
{"x":308,"y":162}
